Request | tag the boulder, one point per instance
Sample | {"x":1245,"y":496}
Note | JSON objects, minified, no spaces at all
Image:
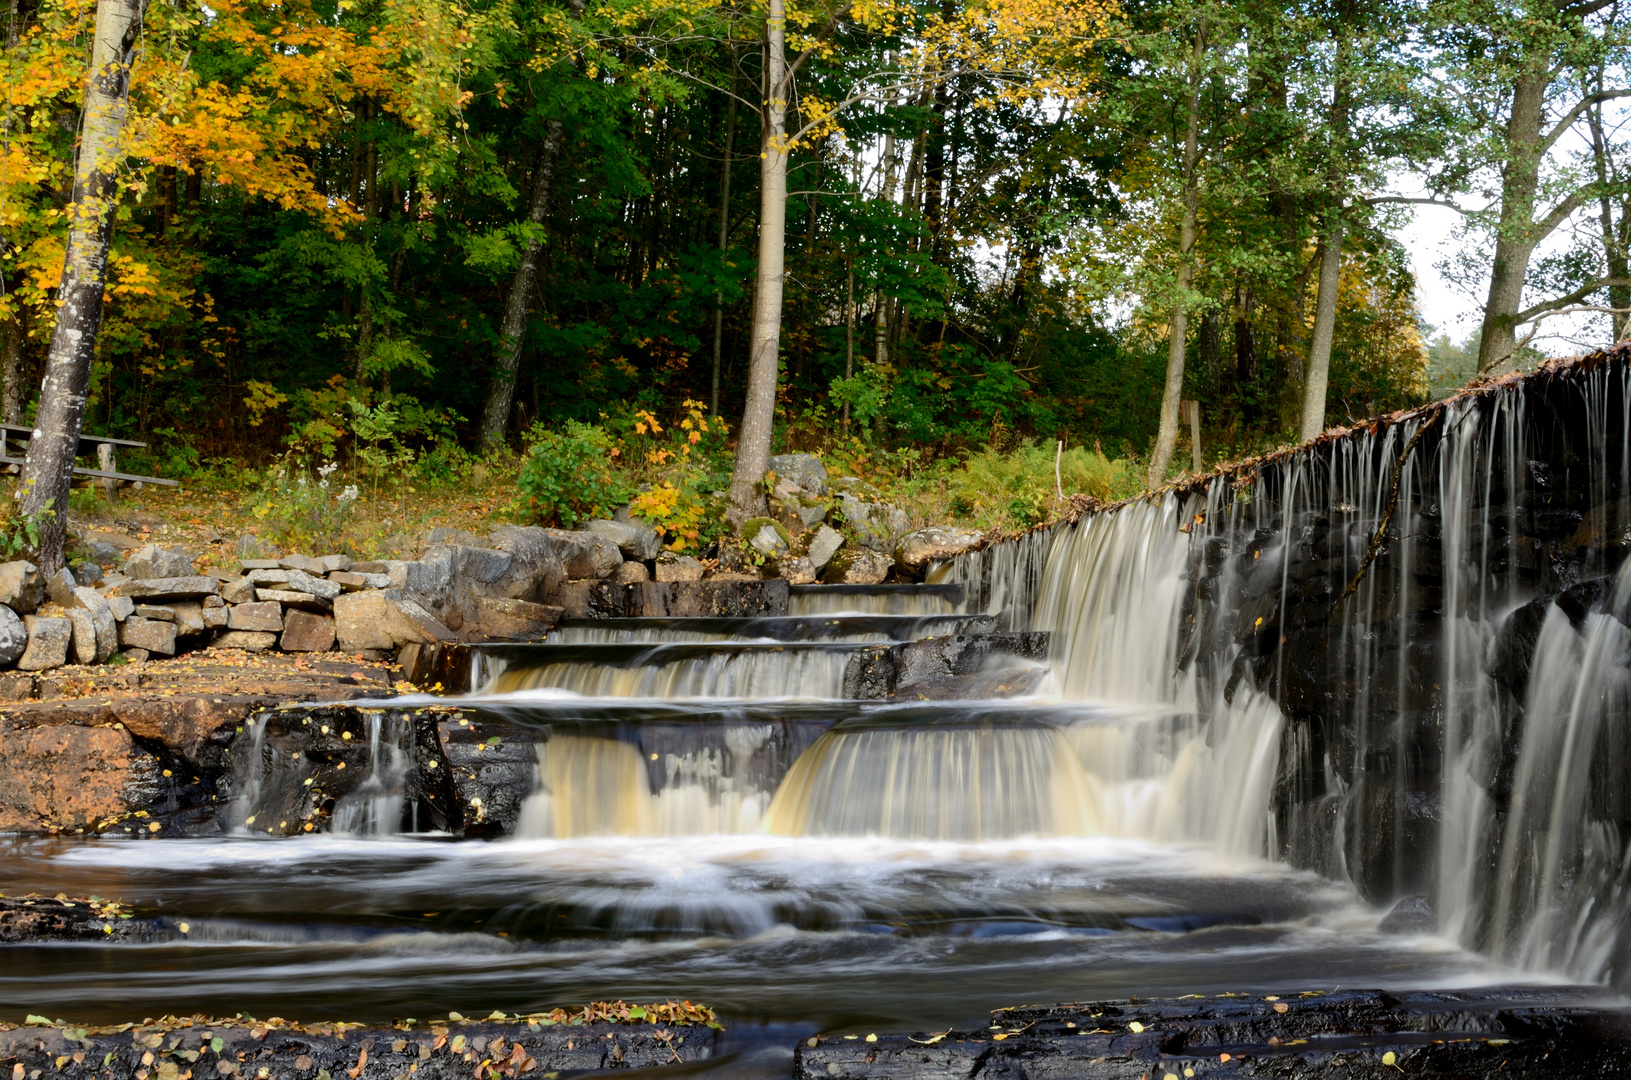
{"x":679,"y":568}
{"x":103,"y":621}
{"x":811,"y":513}
{"x":264,"y":615}
{"x":859,"y":568}
{"x":121,"y":606}
{"x":796,"y":570}
{"x":380,"y":620}
{"x":304,"y":631}
{"x":302,"y":600}
{"x":823,"y":546}
{"x":300,"y":581}
{"x":60,"y":587}
{"x":241,"y":591}
{"x":215,"y":618}
{"x":766,"y":537}
{"x":13,"y":637}
{"x":48,"y":641}
{"x":83,"y":636}
{"x":513,"y":620}
{"x":21,"y":587}
{"x":153,"y":561}
{"x":247,"y":640}
{"x":934,"y":543}
{"x":805,"y":470}
{"x":581,"y":554}
{"x":150,"y":634}
{"x":171,"y":588}
{"x":631,"y":572}
{"x":637,"y":542}
{"x":876,"y":525}
{"x":189,"y":615}
{"x":87,"y":573}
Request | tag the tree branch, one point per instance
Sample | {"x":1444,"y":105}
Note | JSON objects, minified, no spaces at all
{"x":1565,"y":303}
{"x":1573,"y":114}
{"x":1425,"y":201}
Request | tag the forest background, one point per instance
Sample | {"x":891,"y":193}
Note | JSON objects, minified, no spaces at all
{"x":404,"y":240}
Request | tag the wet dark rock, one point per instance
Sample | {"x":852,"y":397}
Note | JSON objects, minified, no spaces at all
{"x":35,"y":918}
{"x":615,"y":600}
{"x":492,"y":768}
{"x":1365,"y":1034}
{"x":440,"y":1051}
{"x":1412,"y":915}
{"x":950,"y":667}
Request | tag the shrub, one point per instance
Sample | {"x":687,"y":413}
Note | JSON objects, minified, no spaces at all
{"x":1018,"y":488}
{"x":570,"y":475}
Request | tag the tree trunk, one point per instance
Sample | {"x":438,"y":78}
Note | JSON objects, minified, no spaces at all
{"x":1167,"y":436}
{"x":1515,"y":240}
{"x":13,"y":369}
{"x":1319,"y":345}
{"x":1614,"y":253}
{"x":724,"y":237}
{"x":759,"y":412}
{"x":48,"y":467}
{"x":849,"y":333}
{"x":512,"y":330}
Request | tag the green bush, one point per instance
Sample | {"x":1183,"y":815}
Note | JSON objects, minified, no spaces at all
{"x":1018,"y":488}
{"x":570,"y":475}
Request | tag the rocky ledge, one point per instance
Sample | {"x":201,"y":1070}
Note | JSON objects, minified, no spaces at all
{"x":597,"y":1037}
{"x":1541,"y":1033}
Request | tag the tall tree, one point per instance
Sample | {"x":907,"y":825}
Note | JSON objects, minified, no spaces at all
{"x":49,"y":465}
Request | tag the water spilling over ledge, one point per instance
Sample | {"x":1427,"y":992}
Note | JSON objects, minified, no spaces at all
{"x":1354,"y":714}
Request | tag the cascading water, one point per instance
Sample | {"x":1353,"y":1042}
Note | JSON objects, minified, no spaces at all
{"x":1391,"y":665}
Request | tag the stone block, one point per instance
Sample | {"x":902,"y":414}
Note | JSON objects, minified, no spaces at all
{"x":304,"y":563}
{"x":239,"y":591}
{"x":103,"y":618}
{"x":171,"y":588}
{"x":300,"y":581}
{"x":350,"y":582}
{"x":117,"y":540}
{"x":766,"y":538}
{"x":377,"y":620}
{"x":305,"y":631}
{"x":87,"y":573}
{"x":83,"y":637}
{"x":823,"y":546}
{"x":121,"y":606}
{"x":215,"y":618}
{"x":246,"y":565}
{"x":876,"y":525}
{"x":332,"y":563}
{"x":369,"y":566}
{"x":935,"y":543}
{"x":150,"y":634}
{"x":247,"y":640}
{"x":153,"y":561}
{"x":189,"y":616}
{"x":136,"y":656}
{"x":537,"y":562}
{"x":859,"y":568}
{"x":583,"y":554}
{"x":305,"y":601}
{"x":503,"y":619}
{"x":805,"y":470}
{"x":13,"y":637}
{"x":796,"y":570}
{"x":679,"y":568}
{"x":21,"y":587}
{"x":631,"y":572}
{"x":60,"y":587}
{"x":637,"y":542}
{"x":265,"y":616}
{"x":48,"y":641}
{"x":71,"y":776}
{"x":156,"y":611}
{"x":262,"y":576}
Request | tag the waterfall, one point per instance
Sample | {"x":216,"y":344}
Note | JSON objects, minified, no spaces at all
{"x":295,"y":775}
{"x":725,"y":670}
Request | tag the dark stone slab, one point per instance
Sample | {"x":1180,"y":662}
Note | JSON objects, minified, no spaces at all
{"x":654,"y":599}
{"x":1543,"y":1033}
{"x":956,"y":666}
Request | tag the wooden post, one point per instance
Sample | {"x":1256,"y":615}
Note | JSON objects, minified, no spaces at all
{"x":106,"y":461}
{"x":1190,"y":411}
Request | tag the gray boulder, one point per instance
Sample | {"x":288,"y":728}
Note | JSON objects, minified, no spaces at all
{"x":823,"y":546}
{"x":805,"y":470}
{"x":876,"y":525}
{"x":934,"y":543}
{"x":153,"y":561}
{"x":679,"y":568}
{"x":60,"y":587}
{"x":796,"y":570}
{"x":13,"y":637}
{"x":384,"y":620}
{"x":304,"y":582}
{"x":104,"y":625}
{"x":859,"y":568}
{"x":585,"y":554}
{"x":48,"y":641}
{"x":179,"y":588}
{"x":21,"y":587}
{"x":768,"y":541}
{"x":637,"y":542}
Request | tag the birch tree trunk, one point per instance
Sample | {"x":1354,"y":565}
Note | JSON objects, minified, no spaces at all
{"x":1167,"y":436}
{"x":48,"y":467}
{"x":759,"y":413}
{"x":512,"y":331}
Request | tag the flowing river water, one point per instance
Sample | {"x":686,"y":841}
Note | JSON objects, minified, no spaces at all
{"x":712,"y":819}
